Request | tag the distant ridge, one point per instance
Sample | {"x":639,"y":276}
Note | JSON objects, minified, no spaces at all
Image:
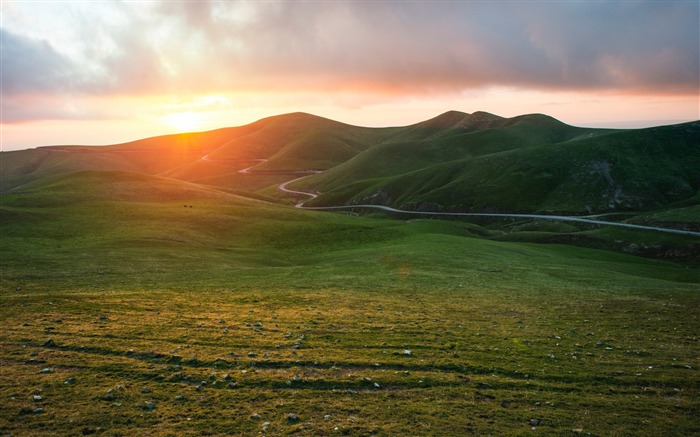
{"x":455,"y":161}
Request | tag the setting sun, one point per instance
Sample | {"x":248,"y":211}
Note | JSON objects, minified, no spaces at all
{"x":184,"y":121}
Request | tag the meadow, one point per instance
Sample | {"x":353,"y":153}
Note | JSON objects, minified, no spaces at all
{"x":133,"y":304}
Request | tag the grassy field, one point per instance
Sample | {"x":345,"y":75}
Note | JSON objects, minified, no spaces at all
{"x":134,"y":304}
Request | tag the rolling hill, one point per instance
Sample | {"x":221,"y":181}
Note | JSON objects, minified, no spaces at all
{"x":453,"y":162}
{"x":153,"y":287}
{"x":591,"y":173}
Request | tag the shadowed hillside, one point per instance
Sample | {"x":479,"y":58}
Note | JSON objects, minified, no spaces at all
{"x":581,"y":173}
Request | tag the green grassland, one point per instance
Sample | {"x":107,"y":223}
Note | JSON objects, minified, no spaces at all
{"x":583,"y":173}
{"x":140,"y":304}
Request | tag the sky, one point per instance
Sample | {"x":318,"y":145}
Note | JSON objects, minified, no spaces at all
{"x":104,"y":72}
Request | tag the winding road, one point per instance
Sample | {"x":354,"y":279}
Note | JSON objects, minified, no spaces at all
{"x":283,"y":187}
{"x":562,"y":218}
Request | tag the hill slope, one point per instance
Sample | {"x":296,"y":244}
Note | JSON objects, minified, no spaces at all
{"x":590,"y":172}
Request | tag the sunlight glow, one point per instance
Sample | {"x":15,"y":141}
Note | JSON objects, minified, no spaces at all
{"x":184,"y":121}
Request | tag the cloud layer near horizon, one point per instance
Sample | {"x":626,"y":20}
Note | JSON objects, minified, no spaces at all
{"x":65,"y":51}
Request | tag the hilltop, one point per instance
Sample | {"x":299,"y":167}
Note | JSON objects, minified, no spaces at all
{"x":168,"y":286}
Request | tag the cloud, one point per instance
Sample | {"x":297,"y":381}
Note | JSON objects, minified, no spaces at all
{"x":376,"y":48}
{"x":33,"y":66}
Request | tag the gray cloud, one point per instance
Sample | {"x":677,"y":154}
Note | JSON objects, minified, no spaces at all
{"x":381,"y":47}
{"x":33,"y":66}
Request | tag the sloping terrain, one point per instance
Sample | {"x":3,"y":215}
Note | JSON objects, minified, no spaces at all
{"x":588,"y":173}
{"x":135,"y":300}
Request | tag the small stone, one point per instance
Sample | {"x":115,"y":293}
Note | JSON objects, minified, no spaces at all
{"x":146,"y":390}
{"x":109,"y":397}
{"x":70,"y":380}
{"x":119,"y":388}
{"x":407,"y":352}
{"x":49,"y":343}
{"x":198,"y":387}
{"x":252,"y":354}
{"x":36,"y":398}
{"x":265,"y":425}
{"x":535,"y":422}
{"x":327,"y":417}
{"x":38,"y":410}
{"x":47,"y":370}
{"x":232,"y":385}
{"x":376,"y":385}
{"x":297,"y":379}
{"x":179,"y":398}
{"x":202,"y":383}
{"x":292,"y":418}
{"x":255,"y":416}
{"x":227,"y":376}
{"x":150,"y":406}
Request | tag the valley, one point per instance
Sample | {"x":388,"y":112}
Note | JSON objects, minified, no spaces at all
{"x":470,"y":274}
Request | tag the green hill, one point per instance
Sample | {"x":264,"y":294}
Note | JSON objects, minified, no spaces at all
{"x":582,"y":173}
{"x":134,"y":299}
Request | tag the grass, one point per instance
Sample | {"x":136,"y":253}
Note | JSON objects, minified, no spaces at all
{"x":147,"y":286}
{"x":644,"y":169}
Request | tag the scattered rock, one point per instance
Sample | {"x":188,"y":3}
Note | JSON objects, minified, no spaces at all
{"x":232,"y":385}
{"x":227,"y":376}
{"x":146,"y":390}
{"x":47,"y":370}
{"x":327,"y":417}
{"x":49,"y":343}
{"x":407,"y":352}
{"x":150,"y":406}
{"x":376,"y":385}
{"x":255,"y":416}
{"x":297,"y":379}
{"x":265,"y":425}
{"x":109,"y":397}
{"x":535,"y":422}
{"x":198,"y":387}
{"x":292,"y":418}
{"x":36,"y":398}
{"x":18,"y":288}
{"x":70,"y":380}
{"x":179,"y":398}
{"x":38,"y":410}
{"x":252,"y":354}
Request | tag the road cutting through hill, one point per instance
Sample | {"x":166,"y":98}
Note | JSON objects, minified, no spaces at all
{"x":563,"y":218}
